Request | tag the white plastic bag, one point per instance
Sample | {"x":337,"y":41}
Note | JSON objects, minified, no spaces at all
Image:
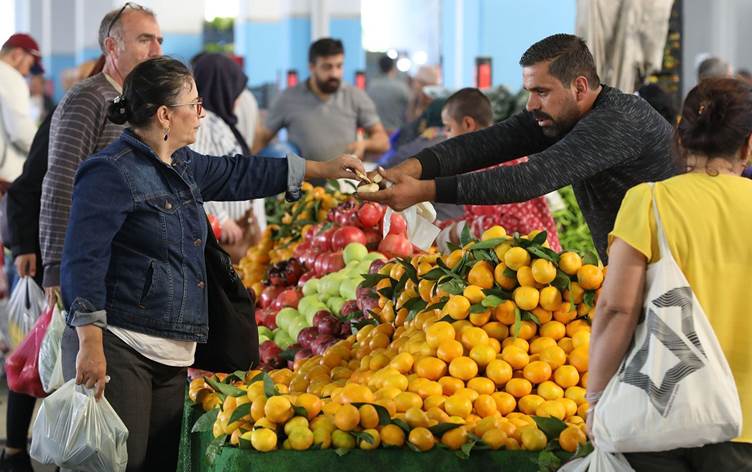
{"x":74,"y":431}
{"x":26,"y":304}
{"x":50,"y":361}
{"x":674,"y":388}
{"x":598,"y":461}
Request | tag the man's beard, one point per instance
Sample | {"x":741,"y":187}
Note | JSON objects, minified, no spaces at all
{"x":560,"y":126}
{"x":328,"y":86}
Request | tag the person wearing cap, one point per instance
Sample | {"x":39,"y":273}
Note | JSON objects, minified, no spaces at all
{"x":79,"y":128}
{"x":18,"y":57}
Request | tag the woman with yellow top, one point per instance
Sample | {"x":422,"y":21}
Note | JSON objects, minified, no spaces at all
{"x":707,"y":219}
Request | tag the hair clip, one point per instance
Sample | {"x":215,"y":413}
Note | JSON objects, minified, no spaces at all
{"x":700,"y":110}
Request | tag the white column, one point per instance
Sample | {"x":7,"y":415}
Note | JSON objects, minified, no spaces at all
{"x":319,"y":19}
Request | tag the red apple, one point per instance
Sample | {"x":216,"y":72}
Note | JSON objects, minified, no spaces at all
{"x":333,"y":262}
{"x":398,"y":225}
{"x":373,"y":238}
{"x":370,"y":214}
{"x":376,"y":266}
{"x":259,"y":315}
{"x":350,"y":307}
{"x":345,"y":329}
{"x":395,"y":245}
{"x":303,"y":354}
{"x":321,"y":315}
{"x":346,"y":235}
{"x":215,"y":226}
{"x":327,"y":324}
{"x":323,"y":341}
{"x":270,"y":318}
{"x":269,"y":353}
{"x":347,"y":218}
{"x":318,"y":264}
{"x":367,"y":299}
{"x":305,"y":278}
{"x":306,"y":337}
{"x":268,"y":295}
{"x":323,"y":240}
{"x":289,"y":297}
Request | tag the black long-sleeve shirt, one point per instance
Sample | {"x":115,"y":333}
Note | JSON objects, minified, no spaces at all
{"x":25,"y":195}
{"x":620,"y":143}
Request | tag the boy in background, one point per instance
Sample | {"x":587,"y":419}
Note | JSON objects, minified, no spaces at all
{"x":469,"y":110}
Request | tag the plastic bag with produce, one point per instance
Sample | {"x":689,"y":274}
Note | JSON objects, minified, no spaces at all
{"x":50,"y":361}
{"x":26,"y":304}
{"x":75,"y":431}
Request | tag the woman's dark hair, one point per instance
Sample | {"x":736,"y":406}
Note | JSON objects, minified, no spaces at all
{"x":716,"y":119}
{"x":150,"y":85}
{"x":659,"y":100}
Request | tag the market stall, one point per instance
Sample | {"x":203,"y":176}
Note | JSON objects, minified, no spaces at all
{"x":374,"y":352}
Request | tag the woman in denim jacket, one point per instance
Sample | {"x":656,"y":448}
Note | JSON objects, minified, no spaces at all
{"x":133,"y":271}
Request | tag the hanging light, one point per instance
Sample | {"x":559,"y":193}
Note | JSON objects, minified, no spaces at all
{"x":404,"y":64}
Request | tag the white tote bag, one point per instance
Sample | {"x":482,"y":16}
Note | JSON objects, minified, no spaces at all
{"x":674,"y":388}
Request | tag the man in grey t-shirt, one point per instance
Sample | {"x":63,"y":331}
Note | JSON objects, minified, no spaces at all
{"x":390,"y":94}
{"x":322,"y":115}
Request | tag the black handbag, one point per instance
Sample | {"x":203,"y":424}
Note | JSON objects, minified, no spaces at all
{"x":232,"y":343}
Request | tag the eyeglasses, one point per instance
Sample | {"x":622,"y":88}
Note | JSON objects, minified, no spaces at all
{"x":198,"y":103}
{"x":117,"y":17}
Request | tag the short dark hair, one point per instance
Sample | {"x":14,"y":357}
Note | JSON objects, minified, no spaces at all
{"x":151,"y":84}
{"x":386,"y":64}
{"x":569,"y":58}
{"x":325,"y":47}
{"x":716,"y":119}
{"x":470,"y":102}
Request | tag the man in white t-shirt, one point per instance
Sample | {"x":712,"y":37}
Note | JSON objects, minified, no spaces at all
{"x":19,"y":54}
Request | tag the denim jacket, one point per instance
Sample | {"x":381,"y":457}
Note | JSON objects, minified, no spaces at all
{"x":134,"y":248}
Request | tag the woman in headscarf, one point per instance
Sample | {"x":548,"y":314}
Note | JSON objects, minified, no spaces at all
{"x":220,"y":82}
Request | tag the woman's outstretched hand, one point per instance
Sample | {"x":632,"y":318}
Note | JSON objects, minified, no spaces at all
{"x":346,"y":166}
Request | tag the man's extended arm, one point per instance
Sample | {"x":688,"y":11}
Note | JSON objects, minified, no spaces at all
{"x":514,"y":137}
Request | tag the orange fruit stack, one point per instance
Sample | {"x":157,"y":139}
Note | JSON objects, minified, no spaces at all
{"x":491,"y":335}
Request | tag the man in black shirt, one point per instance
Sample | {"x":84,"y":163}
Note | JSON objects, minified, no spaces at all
{"x":575,"y":131}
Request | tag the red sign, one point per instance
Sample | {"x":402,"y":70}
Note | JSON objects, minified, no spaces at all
{"x":483,"y":73}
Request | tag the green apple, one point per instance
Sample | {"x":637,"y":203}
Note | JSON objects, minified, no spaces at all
{"x":310,"y":314}
{"x":286,"y":316}
{"x":311,"y":310}
{"x":311,"y":287}
{"x":284,"y":340}
{"x":306,"y":302}
{"x":363,"y":267}
{"x":296,"y":328}
{"x":335,"y":304}
{"x":354,"y":252}
{"x":329,"y":285}
{"x":264,"y":331}
{"x":348,"y":287}
{"x":372,"y":256}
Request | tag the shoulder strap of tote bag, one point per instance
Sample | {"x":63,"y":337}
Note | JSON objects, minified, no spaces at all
{"x":660,"y":232}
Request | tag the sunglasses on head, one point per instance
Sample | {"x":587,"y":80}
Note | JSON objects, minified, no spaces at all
{"x":119,"y":14}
